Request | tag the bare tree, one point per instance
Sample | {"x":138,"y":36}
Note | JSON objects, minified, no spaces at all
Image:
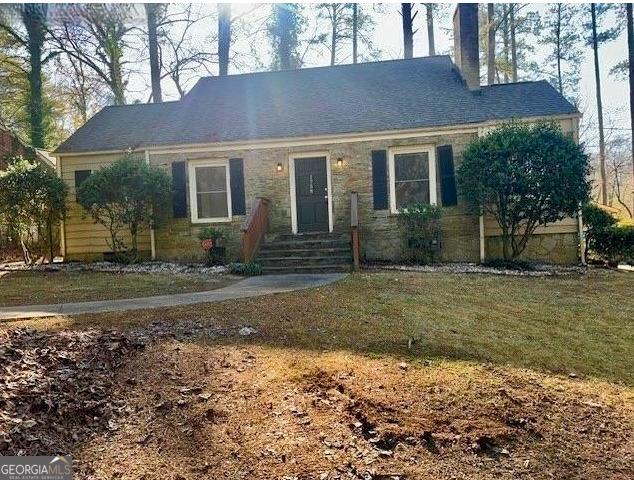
{"x":630,"y":50}
{"x":181,"y":57}
{"x":97,"y":36}
{"x":224,"y":37}
{"x":491,"y":30}
{"x":355,"y":29}
{"x":596,"y":38}
{"x":152,"y":11}
{"x":408,"y":16}
{"x":431,"y":41}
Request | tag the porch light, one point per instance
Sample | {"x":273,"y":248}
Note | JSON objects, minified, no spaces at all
{"x":340,"y":162}
{"x":280,"y":167}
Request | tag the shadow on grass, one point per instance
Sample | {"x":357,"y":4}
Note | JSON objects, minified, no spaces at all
{"x":581,"y":324}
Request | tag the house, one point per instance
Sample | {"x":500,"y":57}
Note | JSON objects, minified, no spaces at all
{"x":305,"y":140}
{"x":11,"y":146}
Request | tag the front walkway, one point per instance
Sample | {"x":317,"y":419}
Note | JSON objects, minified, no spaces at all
{"x":249,"y":287}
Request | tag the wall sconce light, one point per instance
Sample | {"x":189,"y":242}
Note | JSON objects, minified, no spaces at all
{"x":280,"y":167}
{"x":340,"y":162}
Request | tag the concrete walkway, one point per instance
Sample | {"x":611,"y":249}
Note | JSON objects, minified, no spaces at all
{"x":249,"y":287}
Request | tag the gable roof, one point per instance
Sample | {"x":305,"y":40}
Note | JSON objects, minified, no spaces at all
{"x":365,"y":97}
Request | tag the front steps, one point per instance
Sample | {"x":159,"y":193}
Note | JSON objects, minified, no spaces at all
{"x":305,"y":253}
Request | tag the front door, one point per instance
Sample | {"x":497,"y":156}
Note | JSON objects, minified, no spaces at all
{"x":311,"y":190}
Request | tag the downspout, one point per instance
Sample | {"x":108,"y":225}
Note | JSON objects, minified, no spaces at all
{"x":482,"y":237}
{"x":582,"y":238}
{"x":152,"y":237}
{"x":62,"y":229}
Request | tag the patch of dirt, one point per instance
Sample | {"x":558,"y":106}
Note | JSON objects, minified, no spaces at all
{"x":173,"y":404}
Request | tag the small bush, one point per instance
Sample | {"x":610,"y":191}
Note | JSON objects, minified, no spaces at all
{"x":615,"y":244}
{"x":249,"y":269}
{"x":212,"y":233}
{"x":420,"y":227}
{"x":503,"y":264}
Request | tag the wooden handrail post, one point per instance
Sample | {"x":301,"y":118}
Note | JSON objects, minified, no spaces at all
{"x":354,"y":229}
{"x":254,"y":229}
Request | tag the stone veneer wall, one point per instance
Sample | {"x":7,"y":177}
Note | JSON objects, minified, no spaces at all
{"x":378,"y":228}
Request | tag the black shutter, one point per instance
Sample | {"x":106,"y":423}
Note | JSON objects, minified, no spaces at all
{"x":447,"y":176}
{"x":236,"y":178}
{"x":379,"y":179}
{"x":179,"y":190}
{"x":80,"y":177}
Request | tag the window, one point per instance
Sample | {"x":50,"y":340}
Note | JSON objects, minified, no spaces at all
{"x":210,"y":194}
{"x":80,"y":177}
{"x":412,"y":176}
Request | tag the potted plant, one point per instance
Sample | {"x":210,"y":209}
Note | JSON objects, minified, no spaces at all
{"x":212,"y":241}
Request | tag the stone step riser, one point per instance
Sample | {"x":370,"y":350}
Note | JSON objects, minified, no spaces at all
{"x":307,"y":269}
{"x":305,"y":245}
{"x":303,"y":252}
{"x":301,"y":261}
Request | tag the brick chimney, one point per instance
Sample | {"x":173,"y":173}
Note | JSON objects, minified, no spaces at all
{"x":466,"y":43}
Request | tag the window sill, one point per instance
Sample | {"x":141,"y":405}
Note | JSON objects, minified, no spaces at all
{"x":211,"y":220}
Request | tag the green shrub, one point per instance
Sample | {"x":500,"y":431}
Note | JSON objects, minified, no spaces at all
{"x":420,"y":228}
{"x":614,"y":244}
{"x":127,"y":195}
{"x":524,"y":176}
{"x":249,"y":269}
{"x":212,"y":233}
{"x":595,"y":220}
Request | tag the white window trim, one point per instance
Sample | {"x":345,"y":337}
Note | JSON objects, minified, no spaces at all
{"x":291,"y":174}
{"x":191,"y":167}
{"x":431,"y":151}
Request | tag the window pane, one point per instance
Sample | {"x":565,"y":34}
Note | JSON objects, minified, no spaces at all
{"x":408,"y":193}
{"x":411,"y":166}
{"x":212,"y":205}
{"x":211,"y":179}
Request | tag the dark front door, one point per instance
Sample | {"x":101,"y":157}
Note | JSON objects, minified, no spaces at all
{"x":311,"y":189}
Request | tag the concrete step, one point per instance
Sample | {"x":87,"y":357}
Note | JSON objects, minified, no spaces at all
{"x":306,"y":269}
{"x":288,"y":261}
{"x":284,"y":237}
{"x":304,"y":244}
{"x":273,"y":252}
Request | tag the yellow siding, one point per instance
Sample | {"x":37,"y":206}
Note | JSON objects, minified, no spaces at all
{"x":84,"y":236}
{"x":567,"y":225}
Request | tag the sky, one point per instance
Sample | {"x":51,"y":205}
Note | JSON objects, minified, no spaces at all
{"x":387,"y":37}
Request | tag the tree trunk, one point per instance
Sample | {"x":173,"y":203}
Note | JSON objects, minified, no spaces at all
{"x":430,"y":29}
{"x":49,"y":228}
{"x":490,"y":44}
{"x":117,"y":86}
{"x":408,"y":33}
{"x":505,"y":41}
{"x":224,"y":37}
{"x":34,"y":19}
{"x":513,"y":44}
{"x":284,"y":47}
{"x":630,"y":48}
{"x":558,"y":49}
{"x":597,"y":76}
{"x":333,"y":35}
{"x":155,"y":68}
{"x":354,"y":32}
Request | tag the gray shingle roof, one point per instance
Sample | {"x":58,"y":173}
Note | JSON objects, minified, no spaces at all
{"x":366,"y":97}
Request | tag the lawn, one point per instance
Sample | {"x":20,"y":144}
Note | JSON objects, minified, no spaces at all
{"x":38,"y":287}
{"x":381,"y":375}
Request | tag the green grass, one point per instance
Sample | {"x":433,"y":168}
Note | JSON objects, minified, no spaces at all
{"x":577,"y":324}
{"x":26,"y":288}
{"x":581,"y":324}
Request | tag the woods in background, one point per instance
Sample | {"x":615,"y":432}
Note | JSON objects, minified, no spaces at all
{"x":60,"y":64}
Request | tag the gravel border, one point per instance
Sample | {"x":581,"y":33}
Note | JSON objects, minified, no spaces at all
{"x":540,"y":270}
{"x":141,"y":267}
